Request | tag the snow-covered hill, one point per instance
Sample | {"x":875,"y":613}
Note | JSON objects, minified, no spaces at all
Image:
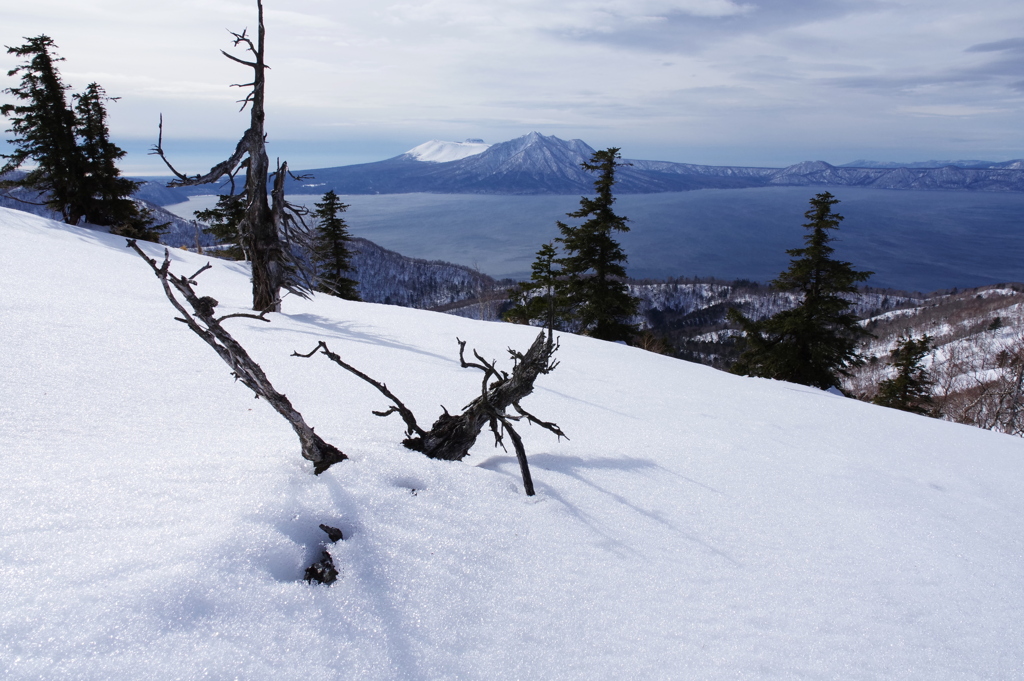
{"x":393,"y":279}
{"x":155,"y":520}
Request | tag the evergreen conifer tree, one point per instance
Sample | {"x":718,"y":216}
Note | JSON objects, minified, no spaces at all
{"x":542,"y":297}
{"x":109,"y":195}
{"x":75,"y":161}
{"x":815,"y":342}
{"x":224,"y":223}
{"x":594,"y":262}
{"x":911,"y":388}
{"x":44,"y":132}
{"x":332,"y":257}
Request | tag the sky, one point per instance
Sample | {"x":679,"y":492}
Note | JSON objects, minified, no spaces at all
{"x":722,"y":82}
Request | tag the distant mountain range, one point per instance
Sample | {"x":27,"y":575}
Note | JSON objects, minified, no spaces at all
{"x":540,"y":164}
{"x":991,"y":165}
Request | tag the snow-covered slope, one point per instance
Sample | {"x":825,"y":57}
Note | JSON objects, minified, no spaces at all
{"x":155,"y":520}
{"x":438,"y":151}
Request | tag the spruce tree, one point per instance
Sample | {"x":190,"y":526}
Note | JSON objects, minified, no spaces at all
{"x":911,"y":388}
{"x":815,"y":342}
{"x":594,"y":263}
{"x":332,"y":257}
{"x":109,"y":194}
{"x":75,"y":161}
{"x":542,"y":298}
{"x":44,"y":132}
{"x":224,"y":223}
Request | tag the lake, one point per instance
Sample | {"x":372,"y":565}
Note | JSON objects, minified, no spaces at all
{"x":912,"y":240}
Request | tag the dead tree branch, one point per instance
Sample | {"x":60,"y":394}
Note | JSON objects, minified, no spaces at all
{"x":204,"y":324}
{"x":411,"y":427}
{"x":451,"y":437}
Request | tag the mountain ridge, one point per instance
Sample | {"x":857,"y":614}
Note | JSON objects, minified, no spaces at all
{"x":544,"y":164}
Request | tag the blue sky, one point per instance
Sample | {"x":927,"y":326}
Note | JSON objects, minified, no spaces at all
{"x":741,"y":82}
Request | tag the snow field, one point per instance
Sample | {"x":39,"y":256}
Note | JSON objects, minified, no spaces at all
{"x":154,"y":516}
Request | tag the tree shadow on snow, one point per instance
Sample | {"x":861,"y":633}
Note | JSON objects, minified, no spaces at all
{"x":575,"y":466}
{"x":346,"y":331}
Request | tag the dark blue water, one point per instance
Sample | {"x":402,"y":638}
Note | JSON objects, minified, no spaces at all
{"x":911,"y":240}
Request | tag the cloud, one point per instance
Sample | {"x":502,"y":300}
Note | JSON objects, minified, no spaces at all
{"x":948,"y":110}
{"x":761,"y":19}
{"x":570,"y":16}
{"x":998,"y":46}
{"x":734,"y":73}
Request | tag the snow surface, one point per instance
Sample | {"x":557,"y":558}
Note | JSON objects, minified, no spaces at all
{"x":438,"y":151}
{"x":155,"y":520}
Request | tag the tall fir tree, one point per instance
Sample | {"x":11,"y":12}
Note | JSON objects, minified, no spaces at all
{"x":332,"y":256}
{"x":594,"y":262}
{"x":109,"y":194}
{"x":542,"y":298}
{"x":224,"y":223}
{"x":815,"y":342}
{"x":44,"y":132}
{"x":911,"y":388}
{"x":75,"y":160}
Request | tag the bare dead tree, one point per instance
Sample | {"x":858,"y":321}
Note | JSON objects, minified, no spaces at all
{"x":452,"y":436}
{"x":267,"y":225}
{"x":205,"y":324}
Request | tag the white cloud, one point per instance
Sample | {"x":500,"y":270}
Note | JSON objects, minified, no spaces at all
{"x":733,"y":73}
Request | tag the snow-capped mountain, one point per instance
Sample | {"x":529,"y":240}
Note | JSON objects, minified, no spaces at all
{"x":545,"y":164}
{"x":438,"y":151}
{"x":532,"y":164}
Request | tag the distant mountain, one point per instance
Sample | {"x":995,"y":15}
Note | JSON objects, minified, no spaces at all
{"x":541,"y":164}
{"x":532,"y":164}
{"x":1017,"y":164}
{"x":819,"y":173}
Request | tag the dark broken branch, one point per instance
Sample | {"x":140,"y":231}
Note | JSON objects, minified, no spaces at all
{"x":202,"y":269}
{"x":15,"y":198}
{"x":546,"y":425}
{"x":228,"y":167}
{"x":524,"y":466}
{"x":203,"y":323}
{"x":240,"y":61}
{"x":259,"y":316}
{"x":411,"y":427}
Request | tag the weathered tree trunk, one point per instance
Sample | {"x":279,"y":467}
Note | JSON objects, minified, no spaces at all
{"x":262,"y":226}
{"x":208,"y":327}
{"x":452,"y":436}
